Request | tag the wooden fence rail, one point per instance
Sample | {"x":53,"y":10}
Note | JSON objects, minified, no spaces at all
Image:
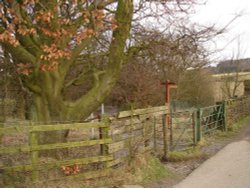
{"x":34,"y":148}
{"x":116,"y":141}
{"x":118,"y":138}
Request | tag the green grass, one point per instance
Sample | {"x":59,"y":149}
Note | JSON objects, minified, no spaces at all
{"x":188,"y":154}
{"x":240,"y":124}
{"x":154,"y":171}
{"x":142,"y":170}
{"x":145,"y":169}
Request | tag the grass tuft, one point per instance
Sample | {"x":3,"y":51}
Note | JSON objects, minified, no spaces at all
{"x":145,"y":169}
{"x":153,"y":171}
{"x":188,"y":154}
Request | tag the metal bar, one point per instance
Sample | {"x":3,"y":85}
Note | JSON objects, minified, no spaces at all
{"x":194,"y":117}
{"x":199,"y":123}
{"x":165,"y":139}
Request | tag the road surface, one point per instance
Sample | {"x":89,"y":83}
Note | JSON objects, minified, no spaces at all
{"x":229,"y":168}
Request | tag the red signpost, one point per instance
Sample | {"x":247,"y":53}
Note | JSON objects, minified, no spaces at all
{"x":168,"y":85}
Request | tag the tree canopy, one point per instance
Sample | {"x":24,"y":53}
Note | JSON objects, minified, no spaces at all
{"x":69,"y":53}
{"x":46,"y":41}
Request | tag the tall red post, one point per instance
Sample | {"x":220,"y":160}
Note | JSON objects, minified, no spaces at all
{"x":169,"y":85}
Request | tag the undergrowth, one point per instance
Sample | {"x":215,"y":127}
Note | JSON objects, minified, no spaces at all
{"x":188,"y":154}
{"x":240,"y":124}
{"x":144,"y":169}
{"x":150,"y":170}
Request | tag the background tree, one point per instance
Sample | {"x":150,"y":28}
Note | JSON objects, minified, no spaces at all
{"x":231,"y":80}
{"x":162,"y":56}
{"x":11,"y":87}
{"x":137,"y":87}
{"x":196,"y":87}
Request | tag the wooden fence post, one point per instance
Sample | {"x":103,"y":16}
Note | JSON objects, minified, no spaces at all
{"x":104,"y":133}
{"x":33,"y":141}
{"x":198,"y":115}
{"x":194,"y":119}
{"x":155,"y":144}
{"x":170,"y":126}
{"x":165,"y":138}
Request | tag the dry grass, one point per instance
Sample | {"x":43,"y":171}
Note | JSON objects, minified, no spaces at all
{"x":142,"y":170}
{"x":185,"y":155}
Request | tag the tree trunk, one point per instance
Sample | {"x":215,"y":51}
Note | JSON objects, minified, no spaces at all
{"x":46,"y":112}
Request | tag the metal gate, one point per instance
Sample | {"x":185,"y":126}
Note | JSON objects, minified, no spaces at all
{"x":210,"y":118}
{"x":181,"y":130}
{"x":184,"y":129}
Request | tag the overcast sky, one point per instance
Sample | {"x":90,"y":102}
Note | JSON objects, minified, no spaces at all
{"x":222,"y":12}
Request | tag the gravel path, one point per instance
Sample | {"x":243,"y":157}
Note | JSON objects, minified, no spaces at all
{"x":229,"y":168}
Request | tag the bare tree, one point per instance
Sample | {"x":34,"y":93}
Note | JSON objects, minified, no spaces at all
{"x":231,"y":80}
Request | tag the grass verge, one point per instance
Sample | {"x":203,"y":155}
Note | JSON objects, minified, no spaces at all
{"x":142,"y":170}
{"x":240,"y":124}
{"x":145,"y":169}
{"x":151,"y":169}
{"x":188,"y":154}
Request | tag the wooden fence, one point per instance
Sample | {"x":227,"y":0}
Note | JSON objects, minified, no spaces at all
{"x":134,"y":132}
{"x":116,"y":140}
{"x":35,"y":163}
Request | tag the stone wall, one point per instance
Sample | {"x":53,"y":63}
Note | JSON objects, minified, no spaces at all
{"x":236,"y":109}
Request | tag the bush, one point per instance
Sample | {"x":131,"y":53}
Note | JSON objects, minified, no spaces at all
{"x":7,"y":107}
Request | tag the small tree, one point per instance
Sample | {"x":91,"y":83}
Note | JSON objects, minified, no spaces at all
{"x":196,"y":87}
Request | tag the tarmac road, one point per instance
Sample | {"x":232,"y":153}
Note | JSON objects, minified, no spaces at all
{"x":229,"y":168}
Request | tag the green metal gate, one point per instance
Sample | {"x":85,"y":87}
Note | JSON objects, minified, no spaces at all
{"x":209,"y":119}
{"x":187,"y":127}
{"x":184,"y":129}
{"x":181,"y":130}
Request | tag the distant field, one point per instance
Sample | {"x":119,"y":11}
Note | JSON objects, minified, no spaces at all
{"x":242,"y":75}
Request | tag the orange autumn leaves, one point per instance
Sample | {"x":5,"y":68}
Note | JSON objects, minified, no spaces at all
{"x":68,"y":170}
{"x":55,"y":34}
{"x":24,"y":69}
{"x":7,"y":37}
{"x":52,"y":55}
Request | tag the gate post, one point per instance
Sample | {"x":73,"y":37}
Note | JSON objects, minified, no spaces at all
{"x":155,"y":142}
{"x":165,"y":137}
{"x":194,"y":119}
{"x":198,"y":118}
